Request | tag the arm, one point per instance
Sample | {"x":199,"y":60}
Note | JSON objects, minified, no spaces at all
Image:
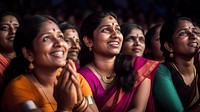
{"x":83,"y":90}
{"x":141,"y":97}
{"x":164,"y":91}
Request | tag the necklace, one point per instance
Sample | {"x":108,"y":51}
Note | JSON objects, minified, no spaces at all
{"x":176,"y":68}
{"x":106,"y":80}
{"x":38,"y":83}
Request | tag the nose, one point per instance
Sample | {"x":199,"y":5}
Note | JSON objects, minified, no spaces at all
{"x":57,"y":42}
{"x":136,"y":41}
{"x":193,"y":35}
{"x":12,"y":30}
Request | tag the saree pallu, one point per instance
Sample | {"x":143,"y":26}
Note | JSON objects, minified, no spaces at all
{"x":4,"y":62}
{"x":122,"y":100}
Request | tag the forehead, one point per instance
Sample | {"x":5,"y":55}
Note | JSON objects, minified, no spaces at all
{"x":9,"y":18}
{"x":185,"y":24}
{"x":48,"y":27}
{"x":136,"y":31}
{"x":108,"y":20}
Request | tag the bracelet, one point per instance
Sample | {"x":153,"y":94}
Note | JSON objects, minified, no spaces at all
{"x":62,"y":111}
{"x":82,"y":106}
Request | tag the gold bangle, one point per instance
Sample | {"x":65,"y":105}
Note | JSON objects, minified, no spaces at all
{"x":63,"y":111}
{"x":82,"y":106}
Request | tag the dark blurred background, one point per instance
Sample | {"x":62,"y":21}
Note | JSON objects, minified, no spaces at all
{"x":143,"y":12}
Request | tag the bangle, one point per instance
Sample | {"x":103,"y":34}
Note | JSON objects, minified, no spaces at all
{"x":82,"y":106}
{"x":62,"y":110}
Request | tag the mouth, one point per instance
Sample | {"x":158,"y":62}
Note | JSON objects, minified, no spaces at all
{"x":193,"y":44}
{"x":57,"y":53}
{"x":114,"y":43}
{"x":11,"y":38}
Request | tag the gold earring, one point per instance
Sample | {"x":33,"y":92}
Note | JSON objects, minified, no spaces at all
{"x":171,"y":55}
{"x":31,"y":66}
{"x":90,"y":48}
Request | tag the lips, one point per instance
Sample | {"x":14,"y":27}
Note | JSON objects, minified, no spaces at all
{"x":193,"y":44}
{"x":57,"y":53}
{"x":11,"y":38}
{"x":114,"y":43}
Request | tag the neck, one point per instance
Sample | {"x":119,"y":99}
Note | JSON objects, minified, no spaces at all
{"x":45,"y":77}
{"x":186,"y":68}
{"x":9,"y":55}
{"x":106,"y":68}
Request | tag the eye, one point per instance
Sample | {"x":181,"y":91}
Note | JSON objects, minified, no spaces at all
{"x":118,"y":29}
{"x":47,"y":38}
{"x":4,"y":28}
{"x":141,"y":39}
{"x":106,"y":30}
{"x":183,"y":33}
{"x":128,"y":39}
{"x":61,"y":37}
{"x":197,"y":33}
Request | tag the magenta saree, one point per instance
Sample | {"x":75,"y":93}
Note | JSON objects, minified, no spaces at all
{"x":122,"y":100}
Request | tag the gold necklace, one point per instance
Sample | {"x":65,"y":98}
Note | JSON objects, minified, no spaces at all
{"x":38,"y":83}
{"x":105,"y":79}
{"x":176,"y":68}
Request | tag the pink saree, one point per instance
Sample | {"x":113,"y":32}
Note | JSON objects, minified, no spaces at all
{"x":114,"y":99}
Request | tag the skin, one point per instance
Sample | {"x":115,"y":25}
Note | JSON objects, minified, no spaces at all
{"x":106,"y":44}
{"x":134,"y":43}
{"x":184,"y":46}
{"x":8,"y":28}
{"x":48,"y":56}
{"x":72,"y":37}
{"x":155,"y":46}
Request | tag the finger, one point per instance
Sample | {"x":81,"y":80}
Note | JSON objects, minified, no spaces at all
{"x":78,"y":88}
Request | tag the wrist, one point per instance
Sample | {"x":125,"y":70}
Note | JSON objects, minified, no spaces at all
{"x":58,"y":110}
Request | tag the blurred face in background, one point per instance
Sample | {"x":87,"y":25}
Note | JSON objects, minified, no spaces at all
{"x":134,"y":43}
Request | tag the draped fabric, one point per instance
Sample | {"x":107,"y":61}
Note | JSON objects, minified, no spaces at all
{"x":21,"y":89}
{"x":4,"y":62}
{"x":114,"y":99}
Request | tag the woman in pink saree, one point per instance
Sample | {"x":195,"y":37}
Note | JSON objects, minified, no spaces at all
{"x":119,"y":83}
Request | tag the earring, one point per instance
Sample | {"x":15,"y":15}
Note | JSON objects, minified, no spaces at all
{"x":31,"y":66}
{"x":171,"y":55}
{"x":90,"y":48}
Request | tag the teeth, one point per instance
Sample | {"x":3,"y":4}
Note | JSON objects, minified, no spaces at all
{"x":11,"y":38}
{"x":193,"y":44}
{"x":60,"y":53}
{"x":113,"y":43}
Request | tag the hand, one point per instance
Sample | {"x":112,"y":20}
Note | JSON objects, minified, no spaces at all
{"x":65,"y":91}
{"x":75,"y":79}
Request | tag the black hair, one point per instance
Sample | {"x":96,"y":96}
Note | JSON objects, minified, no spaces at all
{"x":124,"y":71}
{"x":25,"y":35}
{"x":88,"y":26}
{"x":167,"y":31}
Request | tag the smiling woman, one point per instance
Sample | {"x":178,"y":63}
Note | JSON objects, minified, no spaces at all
{"x":177,"y":81}
{"x":9,"y":23}
{"x":43,"y":80}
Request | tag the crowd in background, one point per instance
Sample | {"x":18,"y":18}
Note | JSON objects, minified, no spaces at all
{"x":142,"y":12}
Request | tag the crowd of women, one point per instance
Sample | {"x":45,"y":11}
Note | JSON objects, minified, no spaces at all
{"x":103,"y":67}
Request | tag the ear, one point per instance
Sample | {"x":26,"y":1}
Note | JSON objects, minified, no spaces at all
{"x":88,"y":42}
{"x":168,"y":46}
{"x":27,"y":54}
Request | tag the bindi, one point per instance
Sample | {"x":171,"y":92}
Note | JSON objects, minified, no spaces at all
{"x":10,"y":21}
{"x":54,"y":29}
{"x":110,"y":17}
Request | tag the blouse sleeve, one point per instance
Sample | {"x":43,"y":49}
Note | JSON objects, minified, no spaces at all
{"x":164,"y":91}
{"x":86,"y":90}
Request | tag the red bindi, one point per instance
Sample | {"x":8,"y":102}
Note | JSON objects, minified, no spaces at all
{"x":110,"y":17}
{"x":10,"y":21}
{"x":73,"y":30}
{"x":54,"y":30}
